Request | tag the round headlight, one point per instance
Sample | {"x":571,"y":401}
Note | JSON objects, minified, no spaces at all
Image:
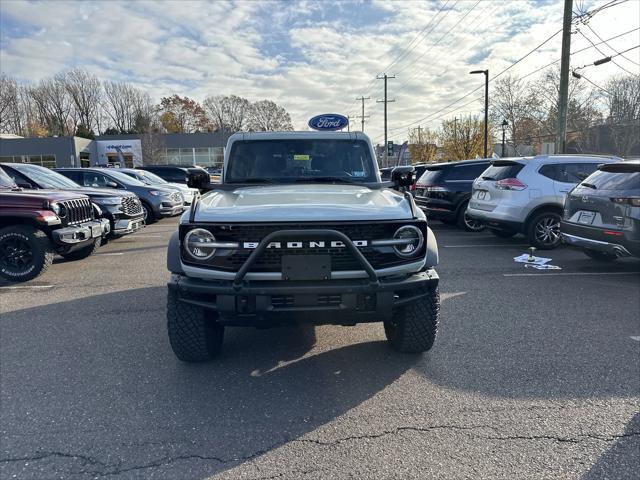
{"x":59,"y":209}
{"x":195,"y":243}
{"x":411,"y":241}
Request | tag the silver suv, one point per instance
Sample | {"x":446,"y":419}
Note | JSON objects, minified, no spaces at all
{"x":526,"y":195}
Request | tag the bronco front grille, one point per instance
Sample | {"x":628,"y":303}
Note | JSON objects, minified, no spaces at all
{"x":77,"y":211}
{"x":131,"y":206}
{"x":271,"y":259}
{"x":176,"y":197}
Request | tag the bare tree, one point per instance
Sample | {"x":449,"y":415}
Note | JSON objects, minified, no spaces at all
{"x":623,"y":109}
{"x":266,"y":116}
{"x":10,"y":115}
{"x":228,"y":113}
{"x":54,"y":106}
{"x":86,"y":92}
{"x":128,"y":108}
{"x":514,"y":101}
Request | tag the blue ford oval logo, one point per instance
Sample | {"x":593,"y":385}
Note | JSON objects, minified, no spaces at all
{"x":329,"y":121}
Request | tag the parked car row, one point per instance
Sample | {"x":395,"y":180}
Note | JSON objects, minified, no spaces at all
{"x":589,"y":201}
{"x":72,"y":211}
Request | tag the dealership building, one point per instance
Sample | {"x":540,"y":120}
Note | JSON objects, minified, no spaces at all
{"x":203,"y":149}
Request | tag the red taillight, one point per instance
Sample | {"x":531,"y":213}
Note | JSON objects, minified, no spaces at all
{"x":412,"y":187}
{"x":611,"y":232}
{"x":633,"y":201}
{"x":510,"y":184}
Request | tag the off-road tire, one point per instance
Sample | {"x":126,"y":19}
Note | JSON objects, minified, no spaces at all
{"x":149,"y":216}
{"x":502,"y":233}
{"x":193,"y":334}
{"x":600,"y":256}
{"x":41,"y":252}
{"x":539,"y":220}
{"x":83,"y":252}
{"x":466,"y":223}
{"x":413,"y":328}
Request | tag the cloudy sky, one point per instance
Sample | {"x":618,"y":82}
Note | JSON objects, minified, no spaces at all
{"x":310,"y":56}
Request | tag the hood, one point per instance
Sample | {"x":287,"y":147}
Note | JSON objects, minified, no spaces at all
{"x":99,"y":192}
{"x":181,"y":187}
{"x":36,"y":197}
{"x":302,"y":203}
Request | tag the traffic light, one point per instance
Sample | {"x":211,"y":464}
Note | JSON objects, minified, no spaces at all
{"x":390,"y":148}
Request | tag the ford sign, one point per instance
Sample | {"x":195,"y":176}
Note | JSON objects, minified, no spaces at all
{"x":329,"y":121}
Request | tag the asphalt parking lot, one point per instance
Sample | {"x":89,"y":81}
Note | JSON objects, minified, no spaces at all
{"x":535,"y":374}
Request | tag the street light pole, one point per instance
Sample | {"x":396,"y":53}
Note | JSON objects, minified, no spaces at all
{"x":504,"y":126}
{"x":486,"y":107}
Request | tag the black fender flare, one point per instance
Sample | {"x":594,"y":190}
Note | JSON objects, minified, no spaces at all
{"x":174,"y":265}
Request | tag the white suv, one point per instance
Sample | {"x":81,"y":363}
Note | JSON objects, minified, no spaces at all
{"x":526,"y":195}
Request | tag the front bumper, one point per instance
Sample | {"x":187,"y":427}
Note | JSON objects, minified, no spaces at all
{"x":82,"y":233}
{"x":340,"y":302}
{"x":171,"y":209}
{"x":125,"y":226}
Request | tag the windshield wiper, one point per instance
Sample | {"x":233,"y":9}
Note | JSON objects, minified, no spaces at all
{"x":326,"y":180}
{"x":588,"y":185}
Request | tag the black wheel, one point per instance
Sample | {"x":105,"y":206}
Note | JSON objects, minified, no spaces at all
{"x":543,"y":231}
{"x":600,"y":256}
{"x":502,"y":233}
{"x":413,"y":328}
{"x":193,"y":332}
{"x":147,"y":213}
{"x":83,"y":252}
{"x":467,"y":223}
{"x":25,"y":253}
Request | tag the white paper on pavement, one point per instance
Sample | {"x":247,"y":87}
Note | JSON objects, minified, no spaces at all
{"x":524,"y":258}
{"x":543,"y":266}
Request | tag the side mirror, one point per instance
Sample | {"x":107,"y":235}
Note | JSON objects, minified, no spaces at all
{"x":111,"y":185}
{"x":198,"y":180}
{"x":403,"y":177}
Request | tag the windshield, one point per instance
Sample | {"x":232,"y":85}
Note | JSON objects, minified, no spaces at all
{"x":44,"y":177}
{"x":148,"y":178}
{"x":6,"y":182}
{"x":124,"y":178}
{"x":614,"y":180}
{"x":300,"y":160}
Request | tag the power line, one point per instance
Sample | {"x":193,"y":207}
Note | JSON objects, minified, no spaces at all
{"x":404,"y":84}
{"x":578,"y":51}
{"x":582,"y":77}
{"x":407,"y":50}
{"x":612,"y":61}
{"x":492,"y":78}
{"x":440,"y":39}
{"x":605,"y":42}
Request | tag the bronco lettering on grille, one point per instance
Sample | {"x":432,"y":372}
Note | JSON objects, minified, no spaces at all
{"x":312,"y":244}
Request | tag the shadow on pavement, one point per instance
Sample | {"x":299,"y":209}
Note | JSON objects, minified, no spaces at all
{"x":513,"y":340}
{"x":622,"y":458}
{"x":95,"y":381}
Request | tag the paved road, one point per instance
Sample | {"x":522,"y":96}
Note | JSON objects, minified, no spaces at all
{"x":534,"y":375}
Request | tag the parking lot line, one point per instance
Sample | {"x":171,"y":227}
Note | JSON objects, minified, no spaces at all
{"x":637,"y":339}
{"x":113,"y":253}
{"x":558,"y":274}
{"x":489,"y":245}
{"x":25,"y":287}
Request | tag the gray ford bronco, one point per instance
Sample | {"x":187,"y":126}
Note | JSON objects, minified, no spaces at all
{"x":302,"y":229}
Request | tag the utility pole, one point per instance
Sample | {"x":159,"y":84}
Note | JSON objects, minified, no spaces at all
{"x":385,"y":101}
{"x":563,"y":96}
{"x":362,"y":117}
{"x":349,"y":117}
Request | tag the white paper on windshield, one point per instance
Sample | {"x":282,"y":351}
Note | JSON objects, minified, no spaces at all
{"x":524,"y":258}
